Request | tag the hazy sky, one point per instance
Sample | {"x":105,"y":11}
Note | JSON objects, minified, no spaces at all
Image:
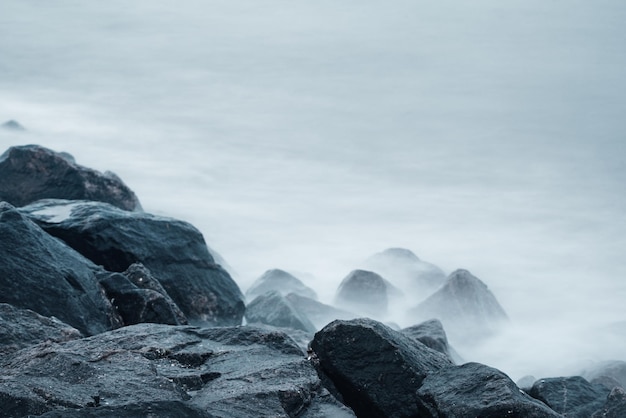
{"x":308,"y":135}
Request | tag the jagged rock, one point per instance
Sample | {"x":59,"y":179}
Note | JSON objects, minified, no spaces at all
{"x":614,"y":369}
{"x":363,"y":292}
{"x":174,"y":251}
{"x":573,"y":396}
{"x":432,"y":335}
{"x":464,"y":305}
{"x":21,"y":328}
{"x":476,"y":390}
{"x":12,"y":125}
{"x":29,"y":173}
{"x":279,"y":281}
{"x":152,"y":368}
{"x":272,"y":308}
{"x":615,"y":406}
{"x":403,"y":268}
{"x":41,"y":273}
{"x":376,"y":370}
{"x":318,"y":313}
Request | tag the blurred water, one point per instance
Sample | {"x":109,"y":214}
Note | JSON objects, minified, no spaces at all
{"x":309,"y":135}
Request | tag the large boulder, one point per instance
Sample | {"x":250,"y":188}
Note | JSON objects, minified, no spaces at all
{"x":572,"y":396}
{"x":174,"y":251}
{"x":272,"y":308}
{"x":615,"y":406}
{"x":318,"y":313}
{"x":376,"y":370}
{"x":162,"y":370}
{"x":279,"y":281}
{"x":465,"y":306}
{"x":476,"y":390}
{"x":21,"y":328}
{"x":432,"y":335}
{"x":12,"y":125}
{"x":41,"y":273}
{"x":31,"y":172}
{"x":613,"y":370}
{"x":364,"y":292}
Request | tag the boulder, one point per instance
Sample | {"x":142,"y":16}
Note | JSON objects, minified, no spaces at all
{"x":318,"y":313}
{"x":376,"y":370}
{"x":21,"y":328}
{"x":615,"y":406}
{"x":29,"y":173}
{"x":12,"y":125}
{"x":363,"y":292}
{"x":476,"y":390}
{"x":158,"y":370}
{"x":432,"y":335}
{"x":464,"y":305}
{"x":279,"y":281}
{"x":572,"y":396}
{"x":614,"y":369}
{"x":272,"y":308}
{"x":41,"y":273}
{"x":174,"y":251}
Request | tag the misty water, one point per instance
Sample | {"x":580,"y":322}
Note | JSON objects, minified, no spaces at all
{"x":309,"y":135}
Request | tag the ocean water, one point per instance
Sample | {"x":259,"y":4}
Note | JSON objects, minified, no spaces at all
{"x":309,"y":135}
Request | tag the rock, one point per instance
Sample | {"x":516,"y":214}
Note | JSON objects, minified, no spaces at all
{"x":280,"y":281}
{"x":363,"y":292}
{"x":614,"y":369}
{"x":432,"y":335}
{"x":153,"y":369}
{"x":41,"y":273}
{"x":318,"y":313}
{"x":476,"y":390}
{"x":526,"y":382}
{"x":12,"y":125}
{"x":615,"y":406}
{"x":376,"y":370}
{"x":174,"y":251}
{"x":403,"y":268}
{"x":31,"y":172}
{"x":465,"y":306}
{"x":573,"y":396}
{"x":272,"y":308}
{"x":21,"y":328}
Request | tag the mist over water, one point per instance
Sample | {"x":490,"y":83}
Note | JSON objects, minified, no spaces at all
{"x":308,"y":136}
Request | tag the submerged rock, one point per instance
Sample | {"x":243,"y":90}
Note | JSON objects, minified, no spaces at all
{"x":31,"y":172}
{"x":363,"y":292}
{"x":272,"y":308}
{"x":174,"y":251}
{"x":279,"y":281}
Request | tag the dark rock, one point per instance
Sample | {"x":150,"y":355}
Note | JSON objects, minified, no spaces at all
{"x":465,"y":306}
{"x":364,"y":292}
{"x":174,"y":251}
{"x":432,"y":335}
{"x":573,"y":396}
{"x":272,"y":308}
{"x":615,"y":406}
{"x":403,"y":268}
{"x":41,"y":273}
{"x":12,"y":125}
{"x":375,"y":369}
{"x":29,"y":173}
{"x":614,"y":369}
{"x":21,"y":328}
{"x":279,"y":281}
{"x":318,"y":313}
{"x":476,"y":390}
{"x":160,"y":369}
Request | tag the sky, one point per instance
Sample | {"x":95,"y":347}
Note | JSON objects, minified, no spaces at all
{"x":309,"y":135}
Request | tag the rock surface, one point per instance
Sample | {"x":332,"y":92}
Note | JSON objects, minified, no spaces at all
{"x":174,"y":252}
{"x":29,"y":173}
{"x":272,"y":308}
{"x":41,"y":273}
{"x":615,"y":406}
{"x":364,"y":292}
{"x":279,"y":281}
{"x":318,"y":313}
{"x":21,"y":328}
{"x":572,"y":396}
{"x":432,"y":335}
{"x":464,"y":305}
{"x":615,"y":370}
{"x":159,"y":369}
{"x":376,"y":370}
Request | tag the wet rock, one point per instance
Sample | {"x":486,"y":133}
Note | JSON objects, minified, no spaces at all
{"x":21,"y":328}
{"x":174,"y":252}
{"x":154,"y":369}
{"x":573,"y":396}
{"x":12,"y":125}
{"x":476,"y":390}
{"x":272,"y":308}
{"x":363,"y":292}
{"x":615,"y":370}
{"x":432,"y":335}
{"x":376,"y":370}
{"x":31,"y":172}
{"x":318,"y":313}
{"x":279,"y":281}
{"x":615,"y":406}
{"x":465,"y":306}
{"x":41,"y":273}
